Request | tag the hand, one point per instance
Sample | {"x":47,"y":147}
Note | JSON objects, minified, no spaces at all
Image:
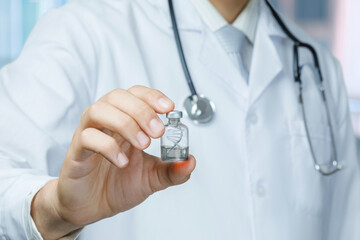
{"x":105,"y":170}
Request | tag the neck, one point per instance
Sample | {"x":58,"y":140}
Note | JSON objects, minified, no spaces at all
{"x":229,"y":9}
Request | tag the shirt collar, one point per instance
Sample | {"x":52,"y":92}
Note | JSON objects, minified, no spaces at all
{"x":245,"y":22}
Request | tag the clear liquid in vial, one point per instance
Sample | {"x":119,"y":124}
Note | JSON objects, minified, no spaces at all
{"x":176,"y":154}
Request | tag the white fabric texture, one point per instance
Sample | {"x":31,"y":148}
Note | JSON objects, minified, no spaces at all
{"x":245,"y":22}
{"x":255,"y":177}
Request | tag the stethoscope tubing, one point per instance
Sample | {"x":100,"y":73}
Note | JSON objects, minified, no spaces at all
{"x":297,"y":78}
{"x":181,"y":51}
{"x":297,"y":42}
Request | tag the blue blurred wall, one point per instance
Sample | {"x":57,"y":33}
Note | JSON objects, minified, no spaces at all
{"x":17,"y":18}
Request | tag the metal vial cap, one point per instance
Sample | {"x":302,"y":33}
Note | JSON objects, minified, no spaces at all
{"x":174,"y":114}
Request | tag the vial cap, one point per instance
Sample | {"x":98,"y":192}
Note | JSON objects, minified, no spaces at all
{"x":174,"y":114}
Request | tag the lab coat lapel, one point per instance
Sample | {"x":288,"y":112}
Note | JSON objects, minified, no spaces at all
{"x":213,"y":56}
{"x":266,"y":62}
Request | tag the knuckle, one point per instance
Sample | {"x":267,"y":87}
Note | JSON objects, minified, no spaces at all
{"x":114,"y":94}
{"x":154,"y":95}
{"x":85,"y":112}
{"x":92,"y":112}
{"x":144,"y":112}
{"x":125,"y":123}
{"x":84,"y":136}
{"x":110,"y":145}
{"x":134,"y":88}
{"x":163,"y":177}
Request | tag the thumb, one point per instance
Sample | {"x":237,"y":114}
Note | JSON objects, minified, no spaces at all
{"x":169,"y":174}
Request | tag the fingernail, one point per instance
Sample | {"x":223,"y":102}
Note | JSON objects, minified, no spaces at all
{"x":122,"y":159}
{"x":142,"y":138}
{"x":156,"y":126}
{"x":164,"y":103}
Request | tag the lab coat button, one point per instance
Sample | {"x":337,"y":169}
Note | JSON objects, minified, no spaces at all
{"x":260,"y":190}
{"x":253,"y":119}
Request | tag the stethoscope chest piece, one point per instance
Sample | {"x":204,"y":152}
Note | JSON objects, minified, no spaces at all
{"x":199,"y":108}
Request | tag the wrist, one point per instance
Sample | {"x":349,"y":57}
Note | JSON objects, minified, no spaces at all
{"x":45,"y":213}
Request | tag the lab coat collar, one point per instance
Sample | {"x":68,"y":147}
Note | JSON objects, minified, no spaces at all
{"x":245,"y":22}
{"x":272,"y":27}
{"x":213,"y":56}
{"x":188,"y":17}
{"x":266,"y":62}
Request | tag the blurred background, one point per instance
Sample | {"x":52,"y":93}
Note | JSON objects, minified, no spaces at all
{"x":329,"y":21}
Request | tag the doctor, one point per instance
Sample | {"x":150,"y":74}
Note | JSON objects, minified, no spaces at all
{"x":81,"y":103}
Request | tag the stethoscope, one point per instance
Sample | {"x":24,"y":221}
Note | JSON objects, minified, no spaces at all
{"x":201,"y":110}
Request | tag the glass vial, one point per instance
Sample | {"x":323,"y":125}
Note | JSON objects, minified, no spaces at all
{"x":175,"y":141}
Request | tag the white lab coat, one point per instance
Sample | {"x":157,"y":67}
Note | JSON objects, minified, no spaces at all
{"x":255,"y":177}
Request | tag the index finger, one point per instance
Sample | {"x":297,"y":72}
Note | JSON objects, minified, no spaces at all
{"x":155,"y":98}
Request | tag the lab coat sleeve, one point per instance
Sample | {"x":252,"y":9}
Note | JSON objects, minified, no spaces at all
{"x":42,"y":96}
{"x":29,"y":224}
{"x":344,"y":217}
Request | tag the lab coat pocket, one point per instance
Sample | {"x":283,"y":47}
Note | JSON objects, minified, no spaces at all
{"x":308,"y":182}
